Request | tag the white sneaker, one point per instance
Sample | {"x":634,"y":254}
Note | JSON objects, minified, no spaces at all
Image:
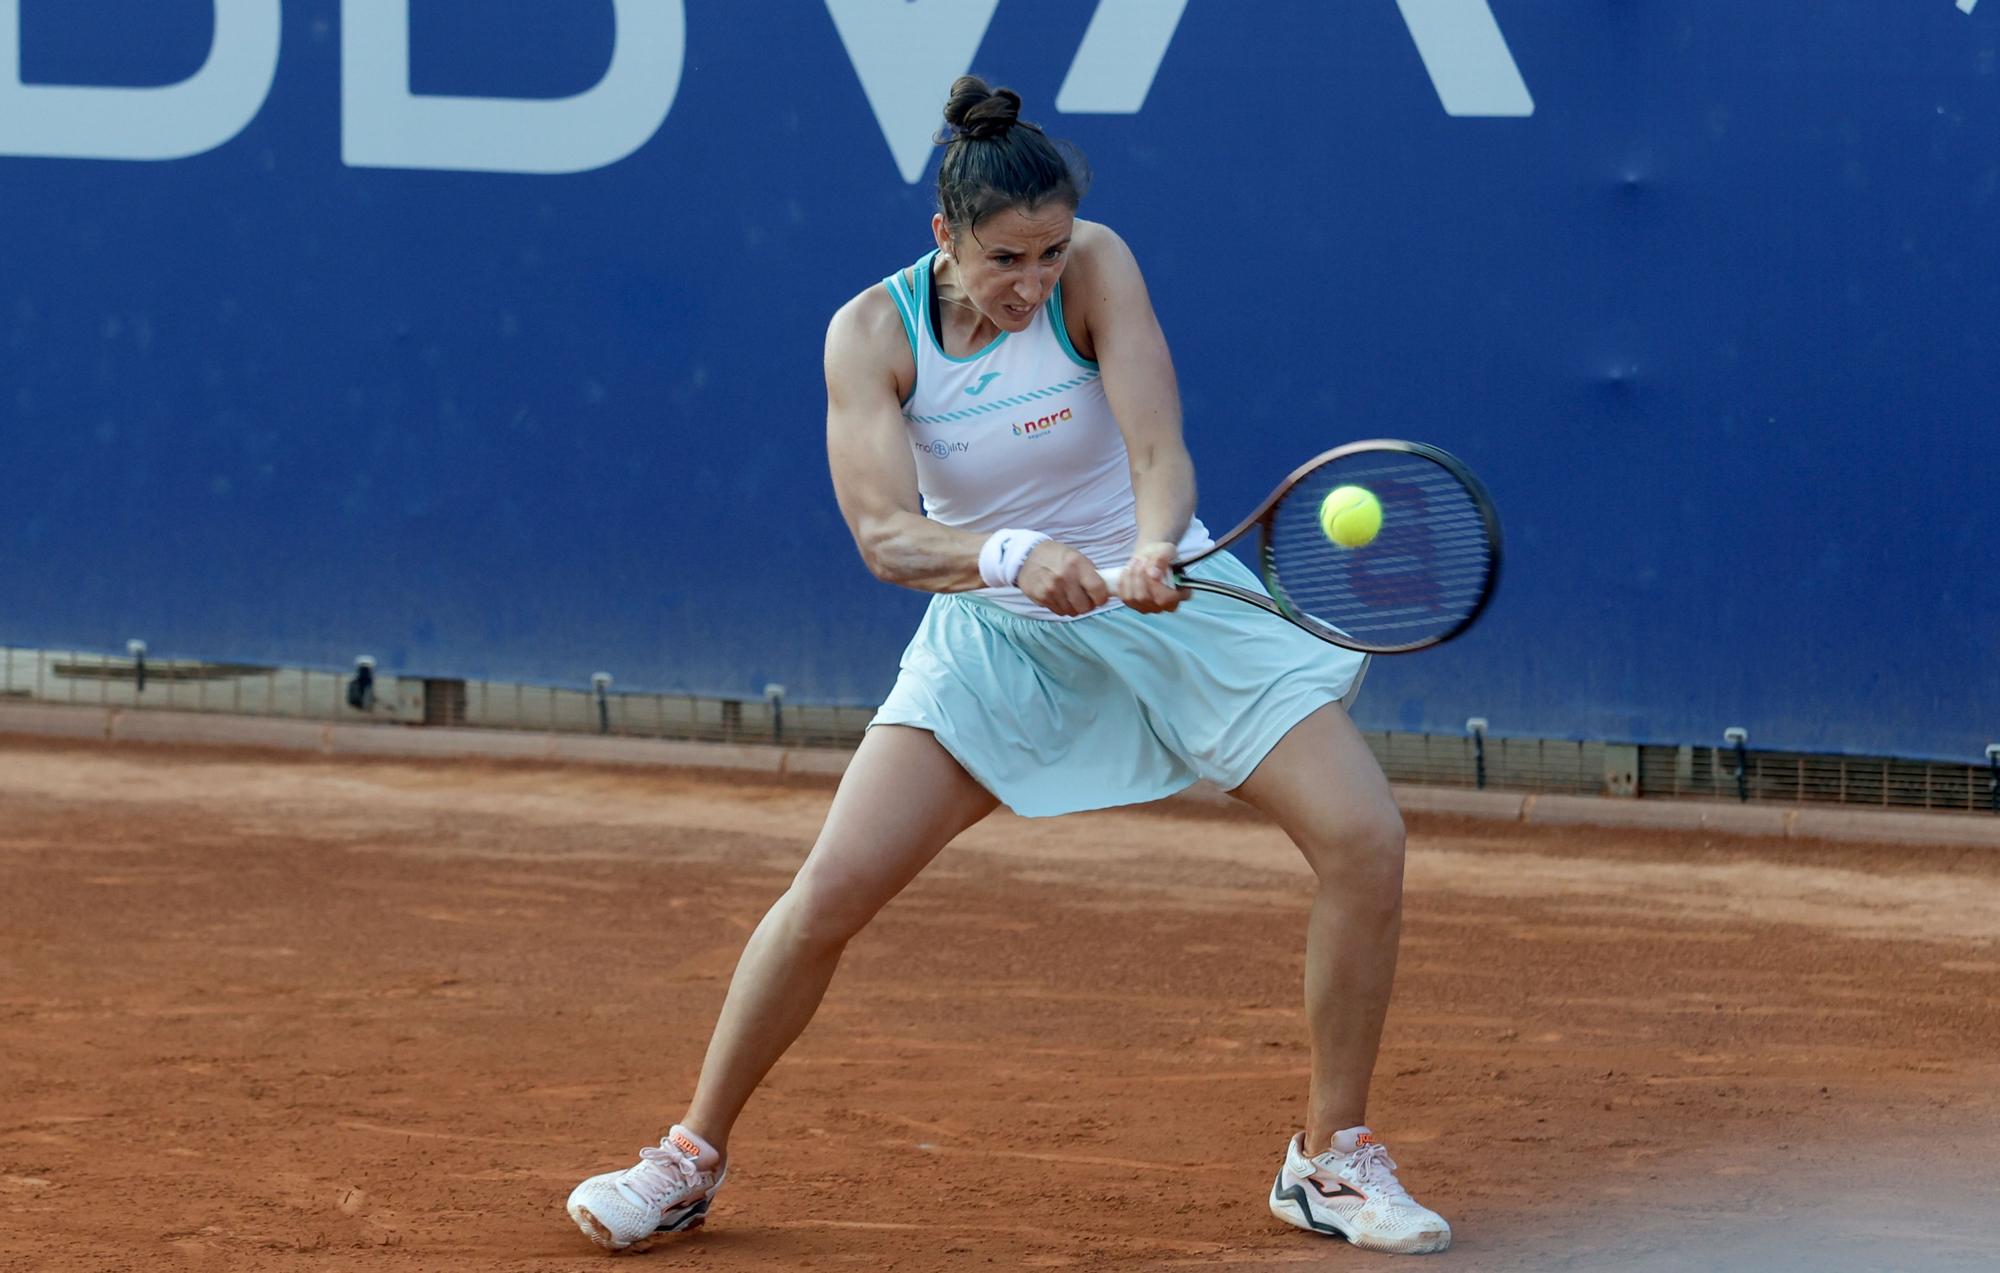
{"x":1351,"y":1192}
{"x":668,"y":1192}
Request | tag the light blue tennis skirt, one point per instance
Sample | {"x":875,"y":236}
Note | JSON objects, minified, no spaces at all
{"x":1116,"y":708}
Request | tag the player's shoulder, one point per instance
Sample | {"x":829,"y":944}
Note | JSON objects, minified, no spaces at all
{"x":1099,"y":261}
{"x":1101,"y":270}
{"x":868,"y":322}
{"x":1093,"y":236}
{"x":1095,"y":245}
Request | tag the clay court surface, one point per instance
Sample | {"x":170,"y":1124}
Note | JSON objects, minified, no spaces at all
{"x":262,"y":1011}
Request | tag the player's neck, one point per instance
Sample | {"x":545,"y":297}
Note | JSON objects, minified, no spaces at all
{"x":961,"y":323}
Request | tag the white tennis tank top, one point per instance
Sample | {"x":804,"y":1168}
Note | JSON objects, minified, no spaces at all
{"x":1019,"y":434}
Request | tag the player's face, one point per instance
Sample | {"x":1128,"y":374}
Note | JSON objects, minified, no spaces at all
{"x":1009,"y":263}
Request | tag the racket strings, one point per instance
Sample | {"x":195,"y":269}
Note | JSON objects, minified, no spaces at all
{"x":1423,"y":575}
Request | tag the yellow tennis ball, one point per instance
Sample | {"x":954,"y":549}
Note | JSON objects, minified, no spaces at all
{"x":1351,"y":516}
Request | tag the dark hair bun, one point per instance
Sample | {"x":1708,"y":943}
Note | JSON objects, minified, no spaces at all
{"x":994,"y":159}
{"x":979,"y":111}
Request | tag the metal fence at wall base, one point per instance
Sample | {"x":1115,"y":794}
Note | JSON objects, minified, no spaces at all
{"x":1881,"y":782}
{"x":1557,"y":766}
{"x":1511,"y":764}
{"x":508,"y":705}
{"x":102,"y":680}
{"x":1688,"y":772}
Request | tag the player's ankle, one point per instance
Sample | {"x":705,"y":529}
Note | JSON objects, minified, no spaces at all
{"x":705,"y":1149}
{"x":1320,"y":1138}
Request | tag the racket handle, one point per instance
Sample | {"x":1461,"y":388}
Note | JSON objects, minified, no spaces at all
{"x":1113,"y":575}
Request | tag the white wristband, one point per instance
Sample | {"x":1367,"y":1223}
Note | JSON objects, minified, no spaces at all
{"x":1004,"y":553}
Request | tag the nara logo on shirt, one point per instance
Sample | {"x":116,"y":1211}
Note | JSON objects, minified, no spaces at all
{"x":1040,"y":426}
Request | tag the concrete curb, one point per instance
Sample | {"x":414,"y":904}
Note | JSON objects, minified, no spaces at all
{"x":117,"y":724}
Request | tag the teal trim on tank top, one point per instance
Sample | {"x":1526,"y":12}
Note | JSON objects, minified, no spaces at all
{"x":896,"y":293}
{"x":1001,"y":404}
{"x":896,"y":288}
{"x":924,"y":307}
{"x":1055,"y":309}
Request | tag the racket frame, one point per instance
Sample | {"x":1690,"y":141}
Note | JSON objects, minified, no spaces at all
{"x":1279,"y":604}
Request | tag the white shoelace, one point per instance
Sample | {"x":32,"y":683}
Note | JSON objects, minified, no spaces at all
{"x":1372,"y":1165}
{"x":662,"y":1172}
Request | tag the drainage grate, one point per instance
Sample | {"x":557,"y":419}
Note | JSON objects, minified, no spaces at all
{"x":444,"y":702}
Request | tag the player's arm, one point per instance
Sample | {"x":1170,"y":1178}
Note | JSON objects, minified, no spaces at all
{"x":1131,"y":352}
{"x":868,"y":449}
{"x":875,"y":475}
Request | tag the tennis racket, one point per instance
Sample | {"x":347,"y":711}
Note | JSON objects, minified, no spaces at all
{"x":1420,"y":581}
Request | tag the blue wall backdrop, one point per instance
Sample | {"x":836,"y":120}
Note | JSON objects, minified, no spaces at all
{"x":1715,"y":317}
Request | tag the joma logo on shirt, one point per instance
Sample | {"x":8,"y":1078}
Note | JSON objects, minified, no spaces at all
{"x":1035,"y":428}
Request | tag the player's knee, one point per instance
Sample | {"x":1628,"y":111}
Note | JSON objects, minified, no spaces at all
{"x":1363,"y":854}
{"x":821,"y":914}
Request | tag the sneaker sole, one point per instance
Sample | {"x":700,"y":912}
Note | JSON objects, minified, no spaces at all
{"x":595,"y":1229}
{"x":1290,"y":1205}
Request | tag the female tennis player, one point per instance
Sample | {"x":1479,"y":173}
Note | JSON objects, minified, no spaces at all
{"x":1003,"y":425}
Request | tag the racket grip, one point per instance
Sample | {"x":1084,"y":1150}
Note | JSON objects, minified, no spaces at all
{"x":1115,"y":573}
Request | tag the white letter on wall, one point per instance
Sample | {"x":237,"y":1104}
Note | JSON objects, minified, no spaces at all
{"x":171,"y":122}
{"x":1121,"y":53}
{"x":1467,"y":57}
{"x":906,"y":53}
{"x":385,"y":125}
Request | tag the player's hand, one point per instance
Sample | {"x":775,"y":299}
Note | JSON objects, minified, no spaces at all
{"x":1059,"y":578}
{"x":1147,"y":584}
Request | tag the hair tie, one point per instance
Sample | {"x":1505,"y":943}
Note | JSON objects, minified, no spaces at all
{"x":984,"y":129}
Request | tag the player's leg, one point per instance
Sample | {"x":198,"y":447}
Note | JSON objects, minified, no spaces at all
{"x":902,"y":800}
{"x":1322,"y":785}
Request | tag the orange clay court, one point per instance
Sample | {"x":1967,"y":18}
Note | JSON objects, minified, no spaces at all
{"x":263,"y":1011}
